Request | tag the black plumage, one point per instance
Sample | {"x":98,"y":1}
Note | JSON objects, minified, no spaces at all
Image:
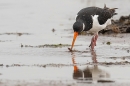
{"x":85,"y":15}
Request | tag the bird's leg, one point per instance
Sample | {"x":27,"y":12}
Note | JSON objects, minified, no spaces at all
{"x":96,"y":37}
{"x":93,"y":41}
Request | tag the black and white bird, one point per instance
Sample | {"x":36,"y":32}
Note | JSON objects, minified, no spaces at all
{"x":92,"y":19}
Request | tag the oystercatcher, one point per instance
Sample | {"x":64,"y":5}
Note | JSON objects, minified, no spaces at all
{"x":92,"y":19}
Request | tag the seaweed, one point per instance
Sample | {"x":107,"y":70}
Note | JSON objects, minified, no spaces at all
{"x":15,"y":33}
{"x":47,"y":45}
{"x":108,"y":43}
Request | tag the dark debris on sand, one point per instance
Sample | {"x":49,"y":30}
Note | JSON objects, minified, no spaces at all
{"x":48,"y":45}
{"x":68,"y":65}
{"x":17,"y":33}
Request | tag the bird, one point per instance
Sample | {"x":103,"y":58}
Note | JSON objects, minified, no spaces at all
{"x":92,"y":19}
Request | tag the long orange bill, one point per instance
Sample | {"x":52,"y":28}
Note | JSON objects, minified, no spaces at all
{"x":74,"y":38}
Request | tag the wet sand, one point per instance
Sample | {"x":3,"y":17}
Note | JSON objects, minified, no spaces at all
{"x":34,"y":38}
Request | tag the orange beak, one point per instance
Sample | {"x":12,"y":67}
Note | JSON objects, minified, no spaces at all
{"x":74,"y":38}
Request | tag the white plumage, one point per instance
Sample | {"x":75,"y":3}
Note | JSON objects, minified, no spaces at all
{"x":96,"y":27}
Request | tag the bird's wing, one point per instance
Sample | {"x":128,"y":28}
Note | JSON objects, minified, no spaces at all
{"x":103,"y":14}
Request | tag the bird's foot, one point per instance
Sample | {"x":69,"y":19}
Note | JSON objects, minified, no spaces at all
{"x":92,"y":46}
{"x":70,"y":49}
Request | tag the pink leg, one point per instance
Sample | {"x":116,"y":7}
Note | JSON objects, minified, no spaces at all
{"x":93,"y":41}
{"x":96,"y":37}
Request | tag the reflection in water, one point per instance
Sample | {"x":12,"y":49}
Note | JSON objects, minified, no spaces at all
{"x":90,"y":73}
{"x":94,"y":56}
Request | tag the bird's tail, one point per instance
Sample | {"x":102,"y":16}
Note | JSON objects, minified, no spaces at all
{"x":112,"y":10}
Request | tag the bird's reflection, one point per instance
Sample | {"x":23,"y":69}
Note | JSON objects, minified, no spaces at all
{"x":90,"y":73}
{"x":94,"y":56}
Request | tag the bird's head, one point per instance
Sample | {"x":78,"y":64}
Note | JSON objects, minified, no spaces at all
{"x":78,"y":27}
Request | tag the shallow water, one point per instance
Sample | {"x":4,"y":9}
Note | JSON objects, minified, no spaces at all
{"x":31,"y":22}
